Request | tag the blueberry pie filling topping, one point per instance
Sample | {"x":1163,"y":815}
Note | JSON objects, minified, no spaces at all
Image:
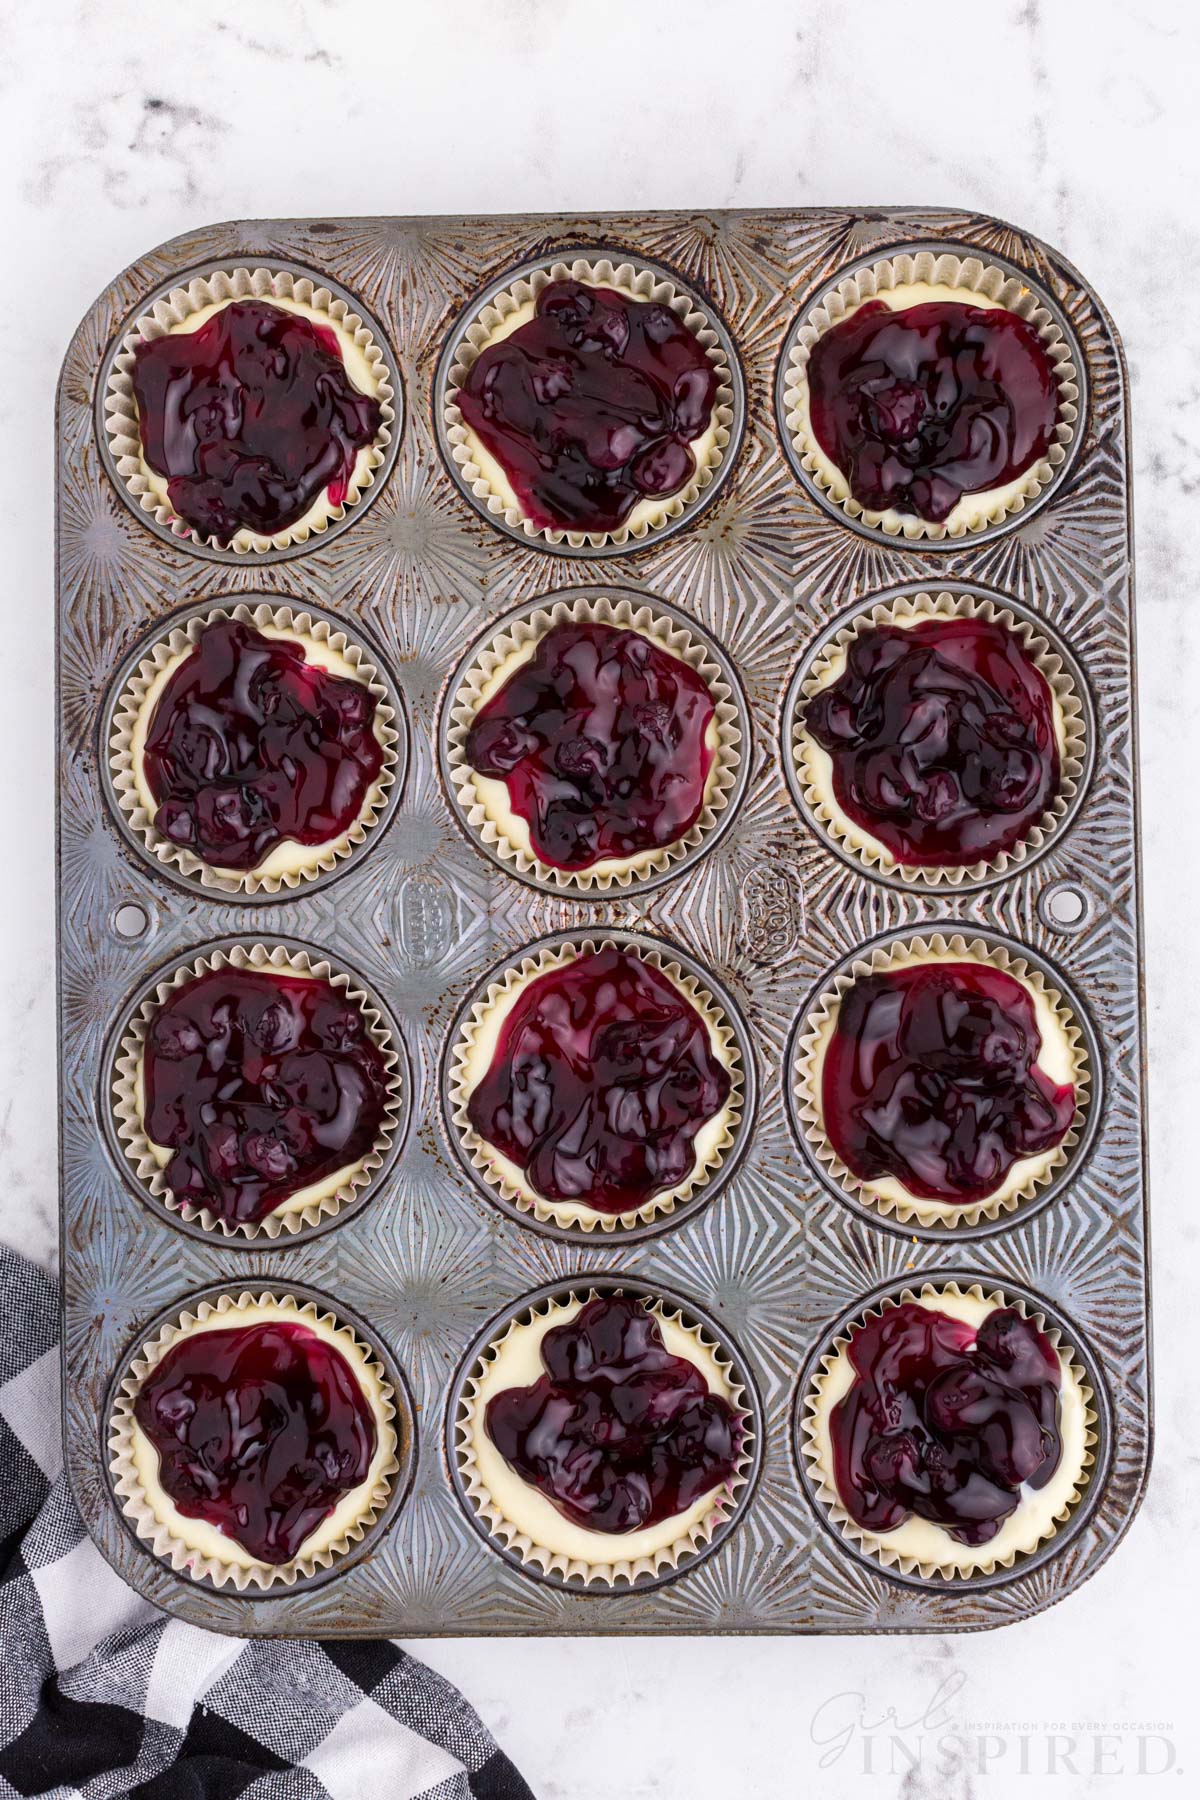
{"x":604,"y":741}
{"x":250,"y":419}
{"x":258,"y":1085}
{"x":591,"y":406}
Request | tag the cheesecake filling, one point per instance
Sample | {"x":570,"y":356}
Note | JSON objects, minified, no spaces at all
{"x":933,"y":750}
{"x":921,"y":406}
{"x":262,"y":1435}
{"x":931,"y":1079}
{"x":604,"y":743}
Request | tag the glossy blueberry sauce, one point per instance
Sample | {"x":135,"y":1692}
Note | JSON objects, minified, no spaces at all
{"x":260,"y":1431}
{"x":250,"y":419}
{"x":944,"y":1423}
{"x":600,"y":739}
{"x":924,"y":404}
{"x":250,"y":744}
{"x":602,"y":1076}
{"x":591,"y":406}
{"x":618,"y":1434}
{"x":259,"y":1084}
{"x":942,"y":739}
{"x":931,"y":1076}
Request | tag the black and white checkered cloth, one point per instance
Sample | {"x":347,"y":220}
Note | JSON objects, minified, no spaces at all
{"x":102,"y":1696}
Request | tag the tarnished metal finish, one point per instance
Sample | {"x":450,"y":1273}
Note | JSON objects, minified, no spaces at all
{"x":774,"y":1258}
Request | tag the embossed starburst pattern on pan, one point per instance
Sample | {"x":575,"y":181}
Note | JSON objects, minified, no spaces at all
{"x":775,"y":1259}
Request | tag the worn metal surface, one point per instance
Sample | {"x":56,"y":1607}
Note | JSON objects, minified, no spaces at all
{"x":774,"y":1258}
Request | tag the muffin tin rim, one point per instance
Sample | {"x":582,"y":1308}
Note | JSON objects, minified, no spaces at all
{"x":776,"y":222}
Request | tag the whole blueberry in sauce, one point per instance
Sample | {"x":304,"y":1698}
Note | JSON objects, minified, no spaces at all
{"x":259,"y":1084}
{"x":250,"y":745}
{"x":931,"y":1076}
{"x":260,"y":1431}
{"x":591,"y":406}
{"x":619,"y":1433}
{"x":942,"y":739}
{"x":945,"y":1422}
{"x":920,"y":405}
{"x":601,"y":739}
{"x":602,"y":1075}
{"x":250,"y":418}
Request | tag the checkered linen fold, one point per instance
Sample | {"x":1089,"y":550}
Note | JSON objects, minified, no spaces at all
{"x":102,"y":1696}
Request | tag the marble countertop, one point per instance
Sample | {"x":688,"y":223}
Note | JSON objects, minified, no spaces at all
{"x":119,"y":128}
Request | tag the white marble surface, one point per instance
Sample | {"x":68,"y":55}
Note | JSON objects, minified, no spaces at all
{"x":121,"y":124}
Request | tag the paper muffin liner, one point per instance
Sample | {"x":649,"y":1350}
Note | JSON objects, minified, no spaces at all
{"x":137,"y":1505}
{"x":639,"y":283}
{"x":667,"y":634}
{"x":960,"y":1559}
{"x":126,"y":1096}
{"x":811,"y":1056}
{"x":221,"y":286}
{"x":874,"y":856}
{"x":973,"y":277}
{"x":182,"y":638}
{"x":480,"y":1154}
{"x":606,"y":1573}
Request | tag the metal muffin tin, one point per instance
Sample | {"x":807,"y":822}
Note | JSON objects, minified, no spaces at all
{"x":774,"y":1260}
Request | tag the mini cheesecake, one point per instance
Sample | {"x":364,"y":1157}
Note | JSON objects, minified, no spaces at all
{"x":587,"y":409}
{"x":259,"y":1092}
{"x":256,"y":417}
{"x":932,"y":740}
{"x":950,"y":1430}
{"x":942,"y":1084}
{"x":603,"y":1430}
{"x":594,"y":748}
{"x":258,"y":750}
{"x":258,"y":1437}
{"x":594,"y":1088}
{"x":928,"y":401}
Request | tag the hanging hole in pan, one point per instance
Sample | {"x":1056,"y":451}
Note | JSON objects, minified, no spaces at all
{"x":130,"y":920}
{"x":1064,"y":906}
